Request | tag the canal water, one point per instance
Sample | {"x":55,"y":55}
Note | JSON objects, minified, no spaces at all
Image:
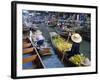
{"x":52,"y":61}
{"x":85,"y":48}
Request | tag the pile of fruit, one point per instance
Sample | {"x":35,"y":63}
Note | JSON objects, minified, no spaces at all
{"x":60,"y":43}
{"x":77,"y":59}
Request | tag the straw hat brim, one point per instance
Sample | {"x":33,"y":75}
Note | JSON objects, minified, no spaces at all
{"x":78,"y":40}
{"x":38,"y":33}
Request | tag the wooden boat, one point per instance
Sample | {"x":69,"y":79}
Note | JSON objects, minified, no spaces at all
{"x":64,"y":33}
{"x":31,"y":58}
{"x":59,"y":53}
{"x":62,"y":55}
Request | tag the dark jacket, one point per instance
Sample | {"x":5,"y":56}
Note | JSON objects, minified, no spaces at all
{"x":74,"y":50}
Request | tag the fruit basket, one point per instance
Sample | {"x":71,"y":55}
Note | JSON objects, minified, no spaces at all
{"x":79,"y":60}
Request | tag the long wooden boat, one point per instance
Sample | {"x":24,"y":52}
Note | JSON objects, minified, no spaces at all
{"x":61,"y":55}
{"x":31,"y":58}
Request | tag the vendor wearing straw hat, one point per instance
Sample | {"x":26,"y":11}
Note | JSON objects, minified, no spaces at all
{"x":39,"y":37}
{"x":77,"y":39}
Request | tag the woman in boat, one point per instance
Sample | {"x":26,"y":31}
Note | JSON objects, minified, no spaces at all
{"x":39,"y":38}
{"x":76,"y":38}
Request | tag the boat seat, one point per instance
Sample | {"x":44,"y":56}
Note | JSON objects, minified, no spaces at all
{"x":30,"y":64}
{"x":27,"y":50}
{"x":30,"y":58}
{"x":26,"y":45}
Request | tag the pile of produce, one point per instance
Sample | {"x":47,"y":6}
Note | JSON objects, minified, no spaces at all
{"x":77,"y":59}
{"x":60,"y":43}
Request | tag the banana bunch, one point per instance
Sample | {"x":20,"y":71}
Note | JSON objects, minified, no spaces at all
{"x":77,"y":59}
{"x":61,"y":44}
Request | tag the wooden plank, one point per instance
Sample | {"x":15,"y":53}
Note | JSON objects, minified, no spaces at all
{"x":26,"y":45}
{"x":30,"y":58}
{"x":27,"y":50}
